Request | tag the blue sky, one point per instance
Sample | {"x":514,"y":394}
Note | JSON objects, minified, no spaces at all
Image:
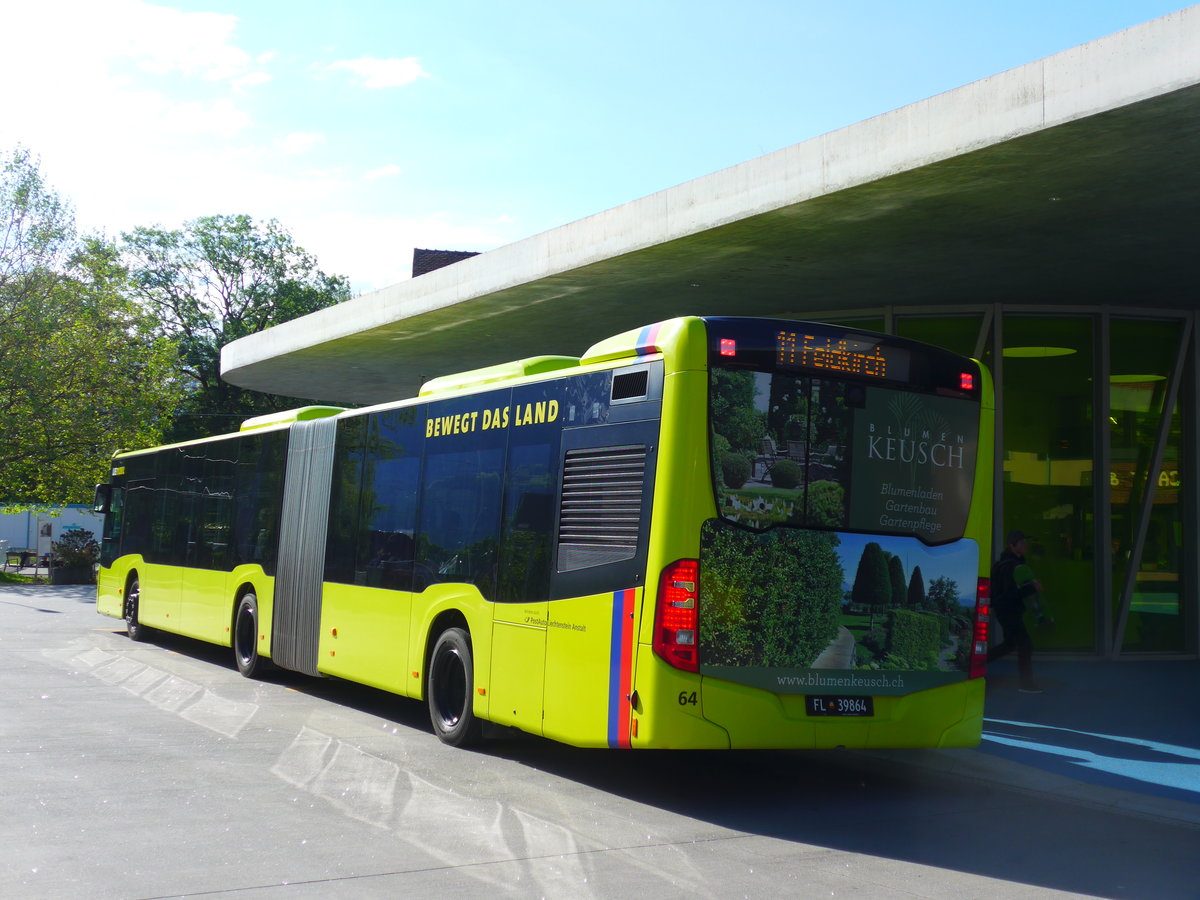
{"x":368,"y":128}
{"x":958,"y":561}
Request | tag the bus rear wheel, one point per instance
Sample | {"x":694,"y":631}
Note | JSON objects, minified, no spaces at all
{"x":135,"y":629}
{"x":451,"y":677}
{"x":245,"y":637}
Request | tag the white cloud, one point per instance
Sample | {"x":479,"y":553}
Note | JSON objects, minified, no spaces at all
{"x":169,"y":40}
{"x":375,"y":251}
{"x":250,"y":79}
{"x":381,"y":73}
{"x":298,"y":142}
{"x":142,"y":119}
{"x":122,"y":71}
{"x":219,"y":118}
{"x":389,"y":171}
{"x":157,"y":39}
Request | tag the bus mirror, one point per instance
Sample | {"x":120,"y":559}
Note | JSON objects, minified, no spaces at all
{"x":103,"y":501}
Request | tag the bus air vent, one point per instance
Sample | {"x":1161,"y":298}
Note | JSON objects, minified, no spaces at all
{"x":601,"y":513}
{"x":630,"y":385}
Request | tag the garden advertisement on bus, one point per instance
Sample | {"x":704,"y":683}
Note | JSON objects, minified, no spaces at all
{"x":837,"y":563}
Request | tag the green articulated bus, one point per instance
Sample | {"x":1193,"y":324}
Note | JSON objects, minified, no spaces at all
{"x":703,"y":533}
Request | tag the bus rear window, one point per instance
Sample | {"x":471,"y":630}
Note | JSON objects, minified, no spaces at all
{"x":827,"y":452}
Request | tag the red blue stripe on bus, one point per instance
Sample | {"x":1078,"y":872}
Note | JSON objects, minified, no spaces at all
{"x":620,"y":673}
{"x":647,"y":341}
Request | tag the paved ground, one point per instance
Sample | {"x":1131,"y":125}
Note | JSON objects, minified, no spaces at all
{"x":1107,"y":734}
{"x":155,"y":770}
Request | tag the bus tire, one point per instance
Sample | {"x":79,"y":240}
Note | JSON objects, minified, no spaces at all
{"x":135,"y":629}
{"x":245,"y":637}
{"x":451,"y":678}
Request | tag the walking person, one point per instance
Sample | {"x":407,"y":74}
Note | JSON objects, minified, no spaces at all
{"x":1008,"y":606}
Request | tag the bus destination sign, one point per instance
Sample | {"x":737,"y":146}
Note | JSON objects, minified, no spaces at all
{"x":847,"y":354}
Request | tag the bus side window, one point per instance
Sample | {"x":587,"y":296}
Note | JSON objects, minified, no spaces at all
{"x":385,"y":546}
{"x":110,"y":545}
{"x":528,"y":525}
{"x":345,"y":500}
{"x":462,"y":485}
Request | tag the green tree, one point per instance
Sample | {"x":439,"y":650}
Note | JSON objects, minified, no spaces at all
{"x":734,"y":415}
{"x":872,"y":583}
{"x":896,"y":575}
{"x":82,"y":372}
{"x":787,"y":408}
{"x":943,"y":595}
{"x":217,"y":279}
{"x":916,"y":589}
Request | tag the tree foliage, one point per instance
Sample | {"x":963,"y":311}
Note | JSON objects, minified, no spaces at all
{"x":82,"y":372}
{"x":899,"y":586}
{"x":872,"y":581}
{"x":916,"y":589}
{"x":943,"y":595}
{"x":217,"y":279}
{"x":733,"y":412}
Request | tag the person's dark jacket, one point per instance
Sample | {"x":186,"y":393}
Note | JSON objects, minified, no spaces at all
{"x":1007,"y":595}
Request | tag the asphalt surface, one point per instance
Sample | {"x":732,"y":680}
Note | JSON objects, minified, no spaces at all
{"x":154,"y":770}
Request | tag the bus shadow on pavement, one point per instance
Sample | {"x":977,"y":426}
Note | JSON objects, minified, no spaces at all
{"x":840,"y":800}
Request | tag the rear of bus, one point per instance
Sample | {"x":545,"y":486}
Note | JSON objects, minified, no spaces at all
{"x":839,"y":595}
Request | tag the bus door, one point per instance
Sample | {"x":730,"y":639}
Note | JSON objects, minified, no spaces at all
{"x":157,"y":501}
{"x":532,"y":420}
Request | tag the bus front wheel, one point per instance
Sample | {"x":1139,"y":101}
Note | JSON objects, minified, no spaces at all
{"x":451,"y":676}
{"x":135,"y":629}
{"x":245,"y":637}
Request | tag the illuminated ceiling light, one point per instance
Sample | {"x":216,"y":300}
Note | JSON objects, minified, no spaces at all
{"x":1135,"y":379}
{"x":1036,"y":352}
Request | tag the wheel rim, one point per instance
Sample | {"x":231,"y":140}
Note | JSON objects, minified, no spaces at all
{"x":131,"y":603}
{"x":450,"y":688}
{"x":244,"y":636}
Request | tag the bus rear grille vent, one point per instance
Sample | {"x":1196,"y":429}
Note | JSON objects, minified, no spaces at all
{"x":601,"y":512}
{"x":630,"y":385}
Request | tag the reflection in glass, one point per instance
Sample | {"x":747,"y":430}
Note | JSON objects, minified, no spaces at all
{"x":779,"y":448}
{"x":803,"y":451}
{"x":1048,"y":471}
{"x":958,"y":334}
{"x":1141,"y":367}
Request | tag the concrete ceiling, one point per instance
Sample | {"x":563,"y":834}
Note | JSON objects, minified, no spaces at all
{"x":1072,"y":180}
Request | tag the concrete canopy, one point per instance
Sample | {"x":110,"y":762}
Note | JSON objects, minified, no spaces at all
{"x":1070,"y":180}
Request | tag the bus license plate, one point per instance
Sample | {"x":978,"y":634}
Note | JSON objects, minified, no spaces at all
{"x":840,"y":706}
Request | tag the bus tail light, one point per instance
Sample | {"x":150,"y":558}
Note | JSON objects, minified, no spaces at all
{"x":676,"y":619}
{"x":983,"y":614}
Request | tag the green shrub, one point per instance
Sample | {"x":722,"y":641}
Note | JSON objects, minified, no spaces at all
{"x":914,"y":637}
{"x":735,"y":470}
{"x":786,"y":474}
{"x":76,"y":547}
{"x":769,"y":600}
{"x":826,"y":503}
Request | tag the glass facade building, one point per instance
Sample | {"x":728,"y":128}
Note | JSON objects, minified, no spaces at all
{"x":1096,"y":461}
